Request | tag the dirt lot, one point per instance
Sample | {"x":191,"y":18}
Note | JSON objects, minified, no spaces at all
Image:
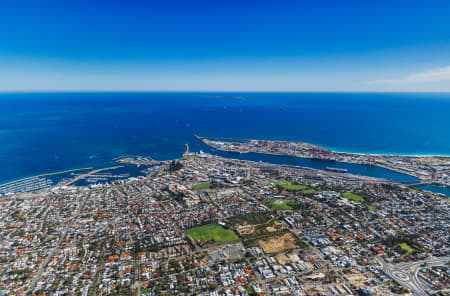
{"x":278,"y":244}
{"x":245,"y":229}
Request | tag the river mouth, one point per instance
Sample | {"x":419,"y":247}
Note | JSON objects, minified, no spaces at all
{"x":323,"y":164}
{"x":319,"y":164}
{"x":435,"y":189}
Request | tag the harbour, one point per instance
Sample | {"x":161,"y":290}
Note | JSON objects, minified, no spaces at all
{"x":361,"y":168}
{"x":423,"y":172}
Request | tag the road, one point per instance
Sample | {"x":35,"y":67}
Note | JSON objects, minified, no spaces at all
{"x":407,"y":274}
{"x":53,"y":251}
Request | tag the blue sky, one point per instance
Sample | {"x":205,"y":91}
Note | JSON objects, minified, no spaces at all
{"x":224,"y":45}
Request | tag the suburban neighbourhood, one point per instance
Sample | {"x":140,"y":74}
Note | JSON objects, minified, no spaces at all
{"x":207,"y":225}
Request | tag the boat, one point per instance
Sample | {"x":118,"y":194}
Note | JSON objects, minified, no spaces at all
{"x":234,"y":152}
{"x":316,"y":159}
{"x":336,"y":170}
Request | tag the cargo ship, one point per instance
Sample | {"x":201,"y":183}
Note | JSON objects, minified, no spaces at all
{"x":336,"y":170}
{"x":234,"y":152}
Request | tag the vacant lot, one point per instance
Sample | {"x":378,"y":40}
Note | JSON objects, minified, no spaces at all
{"x":212,"y":232}
{"x":353,"y":197}
{"x":278,"y":244}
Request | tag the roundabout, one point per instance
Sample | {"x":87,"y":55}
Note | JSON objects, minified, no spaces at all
{"x":400,"y":275}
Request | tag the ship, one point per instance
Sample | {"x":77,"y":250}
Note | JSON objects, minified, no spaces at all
{"x":234,"y":152}
{"x":237,"y":151}
{"x":336,"y":170}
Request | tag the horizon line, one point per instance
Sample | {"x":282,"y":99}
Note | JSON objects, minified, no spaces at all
{"x":213,"y":91}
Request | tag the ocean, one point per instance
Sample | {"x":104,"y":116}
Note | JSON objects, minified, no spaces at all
{"x":49,"y":132}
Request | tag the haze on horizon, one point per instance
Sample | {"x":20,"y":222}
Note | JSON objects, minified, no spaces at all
{"x":224,"y":46}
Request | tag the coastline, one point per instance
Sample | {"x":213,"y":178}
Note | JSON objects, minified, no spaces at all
{"x":158,"y":125}
{"x":93,"y":170}
{"x":270,"y":153}
{"x":388,"y":153}
{"x":331,"y":150}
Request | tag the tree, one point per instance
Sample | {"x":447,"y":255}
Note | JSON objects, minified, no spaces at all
{"x":175,"y":165}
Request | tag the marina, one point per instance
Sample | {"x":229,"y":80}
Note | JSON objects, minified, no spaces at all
{"x":87,"y":177}
{"x":26,"y":185}
{"x":37,"y":182}
{"x":116,"y":174}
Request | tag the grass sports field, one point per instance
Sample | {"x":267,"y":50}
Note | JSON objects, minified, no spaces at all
{"x":201,"y":186}
{"x":352,"y":196}
{"x":278,"y":204}
{"x":212,"y":232}
{"x":288,"y":185}
{"x":293,"y":187}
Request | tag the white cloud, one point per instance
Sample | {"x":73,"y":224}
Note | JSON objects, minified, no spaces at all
{"x":433,"y":75}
